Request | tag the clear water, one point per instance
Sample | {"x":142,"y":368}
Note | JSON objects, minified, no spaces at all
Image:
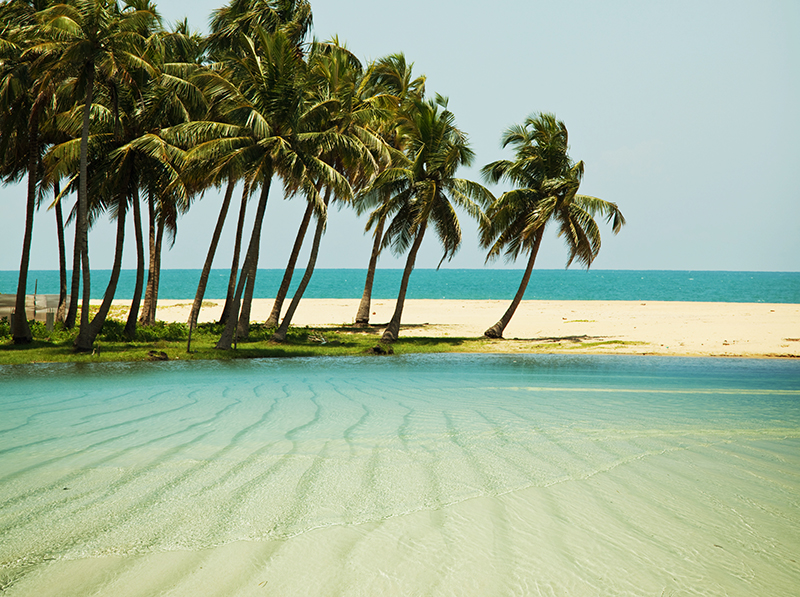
{"x":456,"y":474}
{"x":477,"y":284}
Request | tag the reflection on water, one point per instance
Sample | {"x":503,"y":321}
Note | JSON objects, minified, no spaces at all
{"x":632,"y":471}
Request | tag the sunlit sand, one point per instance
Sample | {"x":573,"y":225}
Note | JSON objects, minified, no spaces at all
{"x":619,"y":327}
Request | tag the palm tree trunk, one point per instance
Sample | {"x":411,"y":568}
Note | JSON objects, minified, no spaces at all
{"x":21,"y":331}
{"x":362,"y":317}
{"x":72,"y":312}
{"x":86,"y":337}
{"x":62,"y":256}
{"x":280,"y":334}
{"x":496,"y":331}
{"x":392,"y":331}
{"x":249,"y":268}
{"x":212,"y":249}
{"x":226,"y":310}
{"x":145,"y":318}
{"x":83,"y":204}
{"x":133,"y":314}
{"x":156,"y":272}
{"x":243,"y":326}
{"x":287,"y":275}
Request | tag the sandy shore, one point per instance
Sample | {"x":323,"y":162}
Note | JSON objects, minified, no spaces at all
{"x":619,"y":327}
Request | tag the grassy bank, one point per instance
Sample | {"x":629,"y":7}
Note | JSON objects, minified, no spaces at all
{"x":167,"y":341}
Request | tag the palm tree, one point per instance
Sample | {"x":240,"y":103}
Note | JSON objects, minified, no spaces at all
{"x":167,"y":99}
{"x":261,"y":96}
{"x":424,"y":191}
{"x":246,"y":17}
{"x":335,"y":79}
{"x":24,"y":94}
{"x":547,"y":183}
{"x":228,"y":24}
{"x":390,"y":79}
{"x":171,"y":98}
{"x":97,"y":41}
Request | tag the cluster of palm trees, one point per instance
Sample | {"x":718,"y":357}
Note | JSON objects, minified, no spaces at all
{"x":101,"y":102}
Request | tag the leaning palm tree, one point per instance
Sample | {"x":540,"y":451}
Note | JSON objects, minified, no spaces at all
{"x":547,"y":183}
{"x":228,"y":24}
{"x":260,"y":95}
{"x":99,"y":42}
{"x":388,"y":80}
{"x":424,"y":191}
{"x":25,"y":91}
{"x":335,"y":77}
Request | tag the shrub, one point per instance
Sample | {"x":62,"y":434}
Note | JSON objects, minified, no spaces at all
{"x":162,"y":331}
{"x":112,"y":331}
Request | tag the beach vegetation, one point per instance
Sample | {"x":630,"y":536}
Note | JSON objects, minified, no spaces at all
{"x":100,"y":101}
{"x":546,"y":182}
{"x":167,"y":341}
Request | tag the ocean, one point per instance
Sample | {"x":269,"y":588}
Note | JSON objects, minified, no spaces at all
{"x":606,"y":285}
{"x":415,"y":475}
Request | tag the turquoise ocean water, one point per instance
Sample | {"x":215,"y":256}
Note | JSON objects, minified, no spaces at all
{"x":625,"y":285}
{"x":415,"y":475}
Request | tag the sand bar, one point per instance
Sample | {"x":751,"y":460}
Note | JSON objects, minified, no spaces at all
{"x":616,"y":327}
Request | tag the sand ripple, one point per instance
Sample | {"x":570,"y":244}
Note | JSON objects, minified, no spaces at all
{"x":458,"y":475}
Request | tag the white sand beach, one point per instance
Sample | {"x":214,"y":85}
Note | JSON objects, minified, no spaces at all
{"x":618,"y":327}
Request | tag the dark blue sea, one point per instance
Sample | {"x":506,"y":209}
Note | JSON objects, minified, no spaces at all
{"x":601,"y":285}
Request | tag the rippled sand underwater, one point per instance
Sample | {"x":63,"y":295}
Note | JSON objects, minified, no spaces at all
{"x":426,"y":475}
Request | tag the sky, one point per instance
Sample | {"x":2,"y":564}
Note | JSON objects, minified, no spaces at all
{"x":685,"y":114}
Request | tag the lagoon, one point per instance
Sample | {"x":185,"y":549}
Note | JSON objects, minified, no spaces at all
{"x":428,"y":474}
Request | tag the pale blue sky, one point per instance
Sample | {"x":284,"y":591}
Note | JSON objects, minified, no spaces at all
{"x":685,"y":113}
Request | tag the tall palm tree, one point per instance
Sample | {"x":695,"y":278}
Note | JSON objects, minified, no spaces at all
{"x":424,"y":190}
{"x":229,"y":24}
{"x":27,"y":102}
{"x":547,"y":182}
{"x":98,"y":41}
{"x":389,"y":79}
{"x":293,"y":18}
{"x":334,"y":82}
{"x":260,"y":94}
{"x":169,"y":98}
{"x":246,"y":17}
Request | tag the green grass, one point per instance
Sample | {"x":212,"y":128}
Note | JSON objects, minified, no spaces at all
{"x":170,"y":339}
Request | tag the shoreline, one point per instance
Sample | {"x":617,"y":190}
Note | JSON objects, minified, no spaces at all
{"x":590,"y":327}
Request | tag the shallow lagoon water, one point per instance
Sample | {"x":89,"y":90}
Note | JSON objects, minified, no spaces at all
{"x":418,"y":475}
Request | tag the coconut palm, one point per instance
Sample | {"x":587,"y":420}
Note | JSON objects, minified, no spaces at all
{"x":246,"y":17}
{"x":97,"y":41}
{"x":547,"y":183}
{"x":24,"y":94}
{"x":166,"y":99}
{"x":228,"y":25}
{"x":424,"y":191}
{"x":261,"y":96}
{"x":171,"y":98}
{"x":391,"y":79}
{"x":121,"y":162}
{"x":334,"y":82}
